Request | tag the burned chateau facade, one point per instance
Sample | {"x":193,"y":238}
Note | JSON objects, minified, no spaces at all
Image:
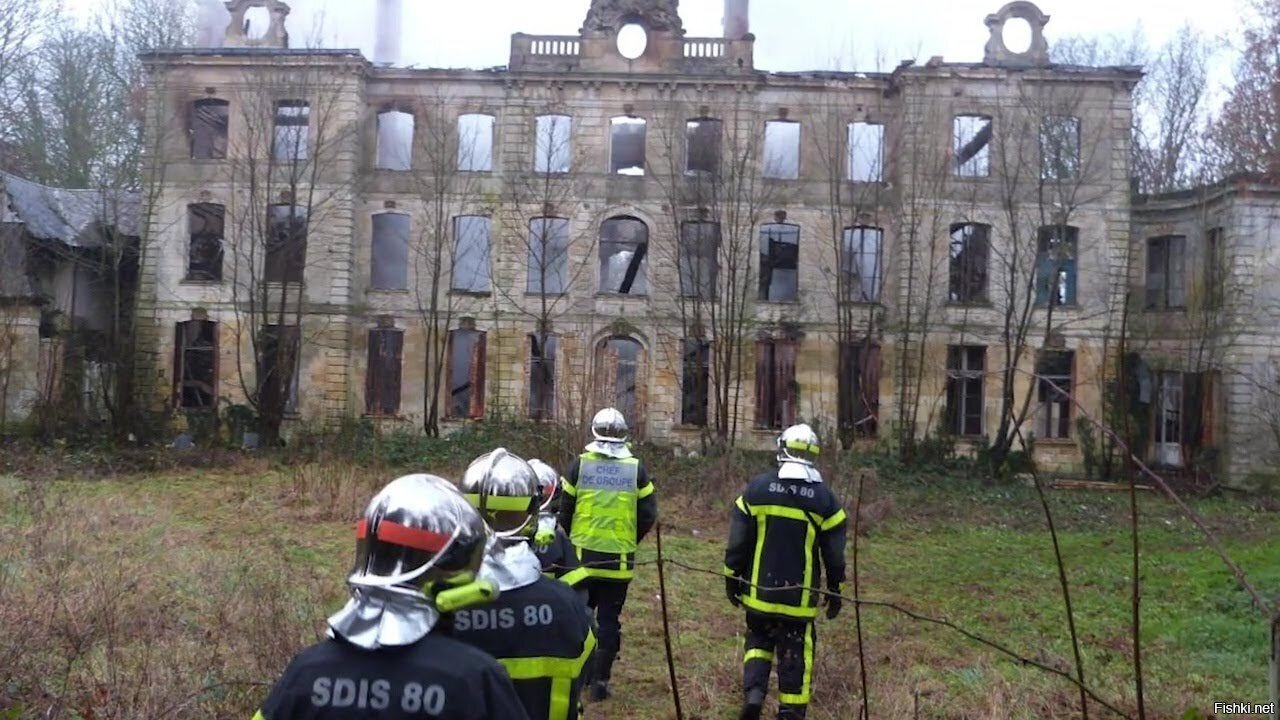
{"x":635,"y":217}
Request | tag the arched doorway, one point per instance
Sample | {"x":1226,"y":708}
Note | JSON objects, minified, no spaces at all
{"x":619,"y":377}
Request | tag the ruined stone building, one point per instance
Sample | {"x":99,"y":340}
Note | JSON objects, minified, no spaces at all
{"x":632,"y":216}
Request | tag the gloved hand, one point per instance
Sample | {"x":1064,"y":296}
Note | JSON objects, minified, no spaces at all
{"x":834,"y":603}
{"x":733,"y":590}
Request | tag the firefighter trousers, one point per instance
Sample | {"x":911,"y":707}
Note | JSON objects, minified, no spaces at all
{"x":790,"y":644}
{"x":606,"y":598}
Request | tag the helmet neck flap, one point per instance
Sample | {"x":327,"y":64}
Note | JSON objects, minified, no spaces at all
{"x":609,"y":448}
{"x":383,"y":617}
{"x":510,"y":565}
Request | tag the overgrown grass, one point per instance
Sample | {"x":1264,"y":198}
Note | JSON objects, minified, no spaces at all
{"x":183,"y":594}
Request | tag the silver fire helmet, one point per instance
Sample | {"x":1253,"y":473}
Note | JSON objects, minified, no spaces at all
{"x":798,"y":443}
{"x":548,"y":481}
{"x":609,"y":425}
{"x":506,"y":491}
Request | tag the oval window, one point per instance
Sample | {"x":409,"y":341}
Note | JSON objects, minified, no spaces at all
{"x":632,"y":41}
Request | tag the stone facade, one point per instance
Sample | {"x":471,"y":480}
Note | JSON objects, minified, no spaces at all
{"x":950,"y":144}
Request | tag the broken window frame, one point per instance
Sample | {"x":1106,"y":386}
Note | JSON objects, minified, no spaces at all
{"x":699,"y":259}
{"x":695,"y":381}
{"x":542,"y":378}
{"x":466,"y":379}
{"x":865,"y":160}
{"x":618,"y":360}
{"x":1055,"y":371}
{"x":1215,"y":269}
{"x":614,"y":245}
{"x":395,"y":137}
{"x":969,"y":254}
{"x":389,"y":252}
{"x":268,"y":347}
{"x":1166,"y":273}
{"x":971,"y":145}
{"x":291,"y":132}
{"x":209,"y":128}
{"x":619,"y":162}
{"x":702,"y":139}
{"x":472,"y":241}
{"x":781,"y":149}
{"x":1059,"y":147}
{"x":548,"y":256}
{"x":774,"y":259}
{"x":553,"y":144}
{"x":777,"y":392}
{"x":966,"y":383}
{"x":285,"y":241}
{"x":1057,"y":253}
{"x":382,"y":375}
{"x":476,"y":142}
{"x":859,"y":242}
{"x":195,"y":365}
{"x":206,"y":227}
{"x":858,"y":388}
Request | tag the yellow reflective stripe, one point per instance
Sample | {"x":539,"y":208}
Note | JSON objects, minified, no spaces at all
{"x":785,"y":511}
{"x":574,"y":576}
{"x":645,"y":491}
{"x":535,"y":668}
{"x":757,"y":654}
{"x":561,"y":695}
{"x":761,"y":525}
{"x":608,"y":574}
{"x":742,"y":505}
{"x":568,"y":488}
{"x":728,"y":572}
{"x":258,"y":716}
{"x":834,"y":520}
{"x":802,"y":446}
{"x":758,"y":605}
{"x":500,"y":502}
{"x":802,"y":698}
{"x":810,"y":536}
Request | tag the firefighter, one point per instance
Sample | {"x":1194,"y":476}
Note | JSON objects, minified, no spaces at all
{"x":550,"y":541}
{"x":538,"y":628}
{"x":781,"y":527}
{"x":419,"y":547}
{"x":607,"y":509}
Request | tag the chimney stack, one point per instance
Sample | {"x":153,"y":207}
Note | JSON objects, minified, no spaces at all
{"x":387,"y":32}
{"x":736,"y":20}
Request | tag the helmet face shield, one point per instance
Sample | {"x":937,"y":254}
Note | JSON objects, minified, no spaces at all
{"x":548,"y":482}
{"x":799,"y":443}
{"x":505,"y":490}
{"x":609,"y":425}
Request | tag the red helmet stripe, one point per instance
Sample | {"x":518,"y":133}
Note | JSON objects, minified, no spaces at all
{"x":415,"y":538}
{"x":362,"y":528}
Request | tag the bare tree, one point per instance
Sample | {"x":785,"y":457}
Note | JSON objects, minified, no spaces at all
{"x":1245,"y":135}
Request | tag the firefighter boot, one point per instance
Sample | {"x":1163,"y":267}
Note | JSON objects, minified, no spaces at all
{"x":752,"y":705}
{"x":792,"y":712}
{"x":600,"y":690}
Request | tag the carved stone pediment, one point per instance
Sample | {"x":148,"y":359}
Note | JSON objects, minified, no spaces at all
{"x":608,"y":16}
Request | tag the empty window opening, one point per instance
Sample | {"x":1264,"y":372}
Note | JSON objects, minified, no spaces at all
{"x":1166,"y":272}
{"x":858,"y":404}
{"x":632,"y":41}
{"x":972,"y":135}
{"x":279,"y":360}
{"x":548,"y":256}
{"x":1060,"y":147}
{"x":209,"y":125}
{"x":695,"y":384}
{"x":382,"y":376}
{"x":1017,"y":36}
{"x":1053,"y":393}
{"x":395,"y":140}
{"x":702,"y":146}
{"x":466,"y":373}
{"x":390,"y":262}
{"x":552,"y":144}
{"x":624,"y":252}
{"x":257,"y":20}
{"x":1056,"y":265}
{"x":617,"y":376}
{"x":195,"y":364}
{"x":776,"y":390}
{"x":1215,"y":269}
{"x":471,"y":253}
{"x":205,"y":223}
{"x":475,"y":142}
{"x":782,"y":149}
{"x":699,"y":259}
{"x":860,"y":264}
{"x":626,"y":145}
{"x":970,"y":246}
{"x":966,"y":374}
{"x":779,"y":262}
{"x":866,"y":152}
{"x":286,"y":243}
{"x":293,"y":118}
{"x":542,"y":377}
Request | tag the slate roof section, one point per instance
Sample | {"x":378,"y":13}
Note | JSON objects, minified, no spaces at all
{"x":69,"y":216}
{"x":15,"y":284}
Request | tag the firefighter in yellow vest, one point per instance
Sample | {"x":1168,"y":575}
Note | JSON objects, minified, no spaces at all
{"x":784,"y":530}
{"x":538,"y":628}
{"x":608,"y":507}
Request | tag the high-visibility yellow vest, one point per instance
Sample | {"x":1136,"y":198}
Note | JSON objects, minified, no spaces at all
{"x":604,"y":518}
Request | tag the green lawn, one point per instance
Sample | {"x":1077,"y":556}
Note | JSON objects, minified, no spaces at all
{"x":182,"y":596}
